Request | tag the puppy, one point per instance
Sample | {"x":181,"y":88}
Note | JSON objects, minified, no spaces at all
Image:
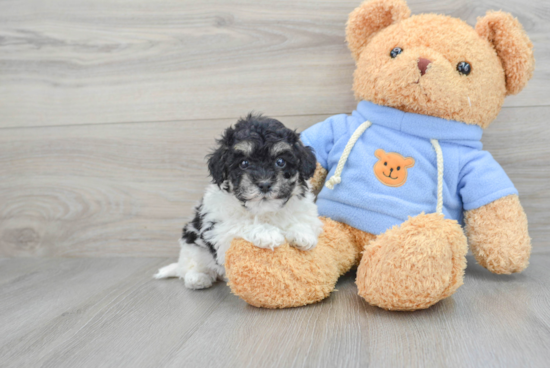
{"x":259,"y":192}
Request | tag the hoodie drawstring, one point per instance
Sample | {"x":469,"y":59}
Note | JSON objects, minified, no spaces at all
{"x":336,"y":178}
{"x":439,"y":155}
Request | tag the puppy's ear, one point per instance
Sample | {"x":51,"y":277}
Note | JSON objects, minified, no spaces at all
{"x":308,"y":162}
{"x":217,"y":160}
{"x":216,"y":165}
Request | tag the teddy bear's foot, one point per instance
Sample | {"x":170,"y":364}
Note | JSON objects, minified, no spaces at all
{"x":415,"y":265}
{"x":288,"y":277}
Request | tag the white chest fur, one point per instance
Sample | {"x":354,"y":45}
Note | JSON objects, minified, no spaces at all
{"x":267,"y":225}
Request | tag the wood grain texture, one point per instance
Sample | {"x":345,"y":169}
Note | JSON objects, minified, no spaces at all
{"x":103,"y":61}
{"x":107,"y":109}
{"x":127,"y":189}
{"x":111,"y":313}
{"x":103,"y":190}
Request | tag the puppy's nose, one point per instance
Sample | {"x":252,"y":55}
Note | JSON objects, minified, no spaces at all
{"x":264,"y":186}
{"x":423,"y":65}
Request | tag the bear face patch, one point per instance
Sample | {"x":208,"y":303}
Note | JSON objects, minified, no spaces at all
{"x":391,"y":168}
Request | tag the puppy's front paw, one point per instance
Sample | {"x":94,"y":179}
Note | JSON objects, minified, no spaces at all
{"x":264,"y":236}
{"x":302,"y":238}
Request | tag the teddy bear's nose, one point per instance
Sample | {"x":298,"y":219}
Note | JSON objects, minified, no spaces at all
{"x":423,"y":65}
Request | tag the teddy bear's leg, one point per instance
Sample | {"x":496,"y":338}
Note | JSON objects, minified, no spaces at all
{"x":288,"y":277}
{"x":498,"y":235}
{"x":415,"y":265}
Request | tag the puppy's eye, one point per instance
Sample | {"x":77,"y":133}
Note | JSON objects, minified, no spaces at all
{"x":244,"y":164}
{"x":464,"y":68}
{"x":395,"y":52}
{"x":280,"y":162}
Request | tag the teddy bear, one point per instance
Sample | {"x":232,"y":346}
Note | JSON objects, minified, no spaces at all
{"x":409,"y":186}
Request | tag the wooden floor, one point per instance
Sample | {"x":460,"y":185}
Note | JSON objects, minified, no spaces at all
{"x":110,"y":313}
{"x":107,"y":109}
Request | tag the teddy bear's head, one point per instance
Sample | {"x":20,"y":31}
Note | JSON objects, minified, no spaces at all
{"x":437,"y":65}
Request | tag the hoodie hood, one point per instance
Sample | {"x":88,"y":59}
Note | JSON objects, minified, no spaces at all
{"x":424,"y":126}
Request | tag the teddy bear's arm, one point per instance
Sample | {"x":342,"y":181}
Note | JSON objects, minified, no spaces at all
{"x":318,"y":179}
{"x":498,"y":235}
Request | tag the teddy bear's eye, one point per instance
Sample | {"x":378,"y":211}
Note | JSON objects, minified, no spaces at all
{"x":396,"y":52}
{"x":385,"y":164}
{"x":398,"y":168}
{"x":464,"y":68}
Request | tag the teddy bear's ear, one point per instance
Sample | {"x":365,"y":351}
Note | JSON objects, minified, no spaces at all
{"x":379,"y":153}
{"x":512,"y":45}
{"x":409,"y":162}
{"x":371,"y":17}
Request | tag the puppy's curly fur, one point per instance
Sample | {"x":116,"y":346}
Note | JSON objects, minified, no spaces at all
{"x":259,"y":192}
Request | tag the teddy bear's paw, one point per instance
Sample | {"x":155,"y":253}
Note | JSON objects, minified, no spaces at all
{"x":504,"y":265}
{"x":415,"y":265}
{"x":498,"y":235}
{"x":265,"y":236}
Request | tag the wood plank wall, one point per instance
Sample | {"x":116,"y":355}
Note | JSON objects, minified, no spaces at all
{"x":108,"y":107}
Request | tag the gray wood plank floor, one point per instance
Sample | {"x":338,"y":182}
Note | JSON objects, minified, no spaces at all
{"x":107,"y":108}
{"x":127,"y":189}
{"x":66,"y":62}
{"x":109,"y":312}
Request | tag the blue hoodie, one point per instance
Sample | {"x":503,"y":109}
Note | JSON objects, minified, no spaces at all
{"x":367,"y":201}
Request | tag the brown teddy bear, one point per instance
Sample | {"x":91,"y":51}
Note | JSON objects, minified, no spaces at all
{"x":406,"y":169}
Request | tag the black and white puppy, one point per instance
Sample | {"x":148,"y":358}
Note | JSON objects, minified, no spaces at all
{"x":260,"y":192}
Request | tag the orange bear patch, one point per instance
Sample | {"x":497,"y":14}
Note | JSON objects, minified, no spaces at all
{"x":391,"y":169}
